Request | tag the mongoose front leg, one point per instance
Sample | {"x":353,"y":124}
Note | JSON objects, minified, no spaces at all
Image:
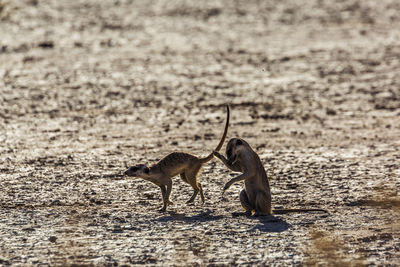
{"x":231,"y":165}
{"x":164,"y":192}
{"x":218,"y":155}
{"x":166,"y":195}
{"x":241,"y":177}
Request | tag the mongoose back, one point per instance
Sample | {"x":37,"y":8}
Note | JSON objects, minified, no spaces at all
{"x":184,"y":164}
{"x":256,"y":197}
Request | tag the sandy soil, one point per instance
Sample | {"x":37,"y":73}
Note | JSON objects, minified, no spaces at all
{"x":90,"y":87}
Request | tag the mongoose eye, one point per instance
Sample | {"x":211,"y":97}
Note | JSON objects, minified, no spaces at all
{"x":239,"y":142}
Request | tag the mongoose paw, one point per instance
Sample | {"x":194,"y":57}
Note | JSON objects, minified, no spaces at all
{"x":248,"y":212}
{"x":259,"y":213}
{"x":217,"y":154}
{"x":163,"y":209}
{"x":170,"y":202}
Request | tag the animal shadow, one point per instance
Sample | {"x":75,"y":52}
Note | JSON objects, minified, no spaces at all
{"x":205,"y":216}
{"x":267,"y":224}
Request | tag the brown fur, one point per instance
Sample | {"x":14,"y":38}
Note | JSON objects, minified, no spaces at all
{"x":256,"y":197}
{"x":184,"y":164}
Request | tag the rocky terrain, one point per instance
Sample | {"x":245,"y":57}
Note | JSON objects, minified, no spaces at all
{"x":89,"y":87}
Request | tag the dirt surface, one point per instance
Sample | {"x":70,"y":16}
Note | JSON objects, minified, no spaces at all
{"x":90,"y":87}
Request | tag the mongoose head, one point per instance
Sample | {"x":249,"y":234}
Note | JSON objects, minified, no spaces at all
{"x":139,"y":170}
{"x":233,"y":148}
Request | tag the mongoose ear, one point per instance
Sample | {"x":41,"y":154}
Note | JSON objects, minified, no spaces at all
{"x":239,"y":142}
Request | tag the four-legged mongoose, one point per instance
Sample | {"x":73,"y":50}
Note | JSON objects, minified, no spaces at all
{"x":184,"y":164}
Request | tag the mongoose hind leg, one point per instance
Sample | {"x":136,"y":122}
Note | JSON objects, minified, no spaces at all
{"x":201,"y":192}
{"x":244,"y":200}
{"x":263,"y":205}
{"x":192,"y":180}
{"x":183,"y":177}
{"x":195,"y":192}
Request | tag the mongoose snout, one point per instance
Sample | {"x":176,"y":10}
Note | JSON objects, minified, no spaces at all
{"x":137,"y":170}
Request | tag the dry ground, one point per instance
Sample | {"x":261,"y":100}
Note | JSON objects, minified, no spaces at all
{"x":90,"y":87}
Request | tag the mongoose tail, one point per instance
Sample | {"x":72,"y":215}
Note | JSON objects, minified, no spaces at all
{"x":221,"y":142}
{"x":285,"y":211}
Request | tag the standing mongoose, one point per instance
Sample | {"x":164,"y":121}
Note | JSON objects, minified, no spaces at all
{"x":184,"y":164}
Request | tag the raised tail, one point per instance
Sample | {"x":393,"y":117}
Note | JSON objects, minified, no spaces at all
{"x":209,"y":157}
{"x":285,"y":211}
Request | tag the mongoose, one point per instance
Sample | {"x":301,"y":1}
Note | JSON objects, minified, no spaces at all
{"x":184,"y":164}
{"x":256,"y":197}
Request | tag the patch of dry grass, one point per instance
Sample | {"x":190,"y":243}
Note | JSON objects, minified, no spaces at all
{"x":4,"y":9}
{"x":326,"y":250}
{"x":385,"y":199}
